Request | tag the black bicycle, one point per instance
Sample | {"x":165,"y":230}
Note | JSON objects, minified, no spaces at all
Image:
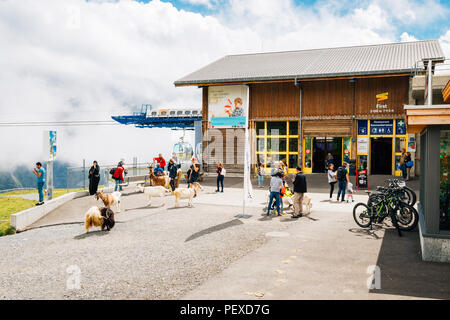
{"x":406,"y":194}
{"x":387,"y":202}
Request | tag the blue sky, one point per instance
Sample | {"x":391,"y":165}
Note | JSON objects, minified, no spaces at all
{"x":432,"y":30}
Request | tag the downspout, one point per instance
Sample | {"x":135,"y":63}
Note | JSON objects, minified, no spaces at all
{"x":300,"y":153}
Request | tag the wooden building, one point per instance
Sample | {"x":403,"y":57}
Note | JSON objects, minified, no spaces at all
{"x":304,"y":105}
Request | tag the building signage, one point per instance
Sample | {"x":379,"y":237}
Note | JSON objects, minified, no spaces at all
{"x":381,"y":127}
{"x":363,"y":145}
{"x":50,"y":145}
{"x":400,"y":128}
{"x":412,"y":144}
{"x":381,"y":106}
{"x":362,"y":127}
{"x":226,"y":106}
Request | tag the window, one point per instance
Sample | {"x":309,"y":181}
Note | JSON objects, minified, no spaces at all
{"x":277,"y":141}
{"x":179,"y":112}
{"x":172,"y":113}
{"x":195,"y":112}
{"x":187,"y":112}
{"x":400,"y":143}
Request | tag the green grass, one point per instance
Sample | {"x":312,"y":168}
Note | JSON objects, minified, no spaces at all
{"x":18,"y":192}
{"x":8,"y":206}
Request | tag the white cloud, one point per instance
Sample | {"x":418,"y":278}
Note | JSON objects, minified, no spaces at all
{"x":406,"y":37}
{"x":74,"y":59}
{"x":207,"y":3}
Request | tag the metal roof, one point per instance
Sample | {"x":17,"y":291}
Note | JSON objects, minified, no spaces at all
{"x":317,"y":63}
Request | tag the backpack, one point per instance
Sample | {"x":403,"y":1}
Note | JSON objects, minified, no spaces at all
{"x":112,"y":171}
{"x":341,"y":173}
{"x":223,"y":172}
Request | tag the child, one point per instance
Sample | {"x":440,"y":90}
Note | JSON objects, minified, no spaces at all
{"x":349,"y":191}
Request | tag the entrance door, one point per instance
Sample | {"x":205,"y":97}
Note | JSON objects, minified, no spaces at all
{"x":381,"y":156}
{"x":321,"y":147}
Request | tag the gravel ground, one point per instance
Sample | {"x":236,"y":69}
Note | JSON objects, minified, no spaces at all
{"x":145,"y":256}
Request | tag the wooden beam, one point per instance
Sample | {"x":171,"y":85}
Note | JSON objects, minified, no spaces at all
{"x":292,"y":80}
{"x":427,"y":112}
{"x":428,"y":119}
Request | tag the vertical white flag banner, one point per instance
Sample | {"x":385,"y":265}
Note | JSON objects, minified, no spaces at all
{"x":248,"y":190}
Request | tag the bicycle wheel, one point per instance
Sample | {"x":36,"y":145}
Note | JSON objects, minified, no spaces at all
{"x":407,"y":217}
{"x":412,"y":195}
{"x":362,"y":215}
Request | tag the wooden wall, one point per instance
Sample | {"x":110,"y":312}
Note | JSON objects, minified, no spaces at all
{"x":327,"y":98}
{"x":367,"y":89}
{"x":274,"y":100}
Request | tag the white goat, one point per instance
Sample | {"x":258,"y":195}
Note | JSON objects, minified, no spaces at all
{"x":184,"y":193}
{"x":157,"y":191}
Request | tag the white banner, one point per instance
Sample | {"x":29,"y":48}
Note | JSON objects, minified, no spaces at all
{"x":248,"y":189}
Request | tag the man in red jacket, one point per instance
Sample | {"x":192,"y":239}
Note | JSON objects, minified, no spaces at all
{"x":118,"y":176}
{"x":161,"y":161}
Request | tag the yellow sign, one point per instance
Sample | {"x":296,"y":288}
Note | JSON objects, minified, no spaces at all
{"x":382,"y":96}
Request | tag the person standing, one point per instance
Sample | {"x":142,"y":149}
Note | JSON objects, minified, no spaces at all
{"x":300,"y":189}
{"x":173,"y":170}
{"x":193,"y":174}
{"x":403,"y":163}
{"x":408,"y":165}
{"x":332,"y":179}
{"x":39,"y":171}
{"x":160,"y":160}
{"x":329,"y":160}
{"x":260,"y":172}
{"x":118,"y":176}
{"x":220,"y":176}
{"x":342,"y":176}
{"x":94,"y":178}
{"x":275,"y":187}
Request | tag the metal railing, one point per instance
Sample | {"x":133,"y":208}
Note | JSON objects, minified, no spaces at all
{"x":78,"y":177}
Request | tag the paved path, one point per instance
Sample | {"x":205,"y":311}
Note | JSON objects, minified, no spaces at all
{"x":206,"y":252}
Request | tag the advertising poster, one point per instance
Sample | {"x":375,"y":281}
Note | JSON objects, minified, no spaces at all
{"x":226,"y":106}
{"x":363,"y":145}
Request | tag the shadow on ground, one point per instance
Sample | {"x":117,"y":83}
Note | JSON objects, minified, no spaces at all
{"x":404,"y":273}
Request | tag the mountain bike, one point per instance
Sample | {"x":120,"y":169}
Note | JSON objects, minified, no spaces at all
{"x":407,"y":194}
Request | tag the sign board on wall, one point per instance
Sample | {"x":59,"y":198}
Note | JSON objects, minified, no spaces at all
{"x":400,"y":127}
{"x":362,"y":127}
{"x":363,"y":145}
{"x":412,"y":144}
{"x":381,"y":127}
{"x":226,"y":106}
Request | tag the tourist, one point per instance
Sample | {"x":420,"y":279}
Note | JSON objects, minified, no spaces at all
{"x":94,"y":178}
{"x":173,"y":170}
{"x":39,"y":171}
{"x":343,"y":179}
{"x":275,"y":187}
{"x":299,"y":190}
{"x":349,"y":191}
{"x":118,"y":176}
{"x":408,"y":165}
{"x":329,"y":160}
{"x":220,"y":175}
{"x":332,"y":179}
{"x":193,"y":174}
{"x":402,"y":163}
{"x":160,"y":160}
{"x":260,"y":172}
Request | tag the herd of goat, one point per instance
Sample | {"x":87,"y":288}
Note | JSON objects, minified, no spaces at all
{"x":103,"y":217}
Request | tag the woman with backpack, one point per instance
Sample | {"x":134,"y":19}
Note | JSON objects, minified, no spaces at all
{"x":118,"y":176}
{"x":220,"y":175}
{"x":342,"y":176}
{"x":408,"y":165}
